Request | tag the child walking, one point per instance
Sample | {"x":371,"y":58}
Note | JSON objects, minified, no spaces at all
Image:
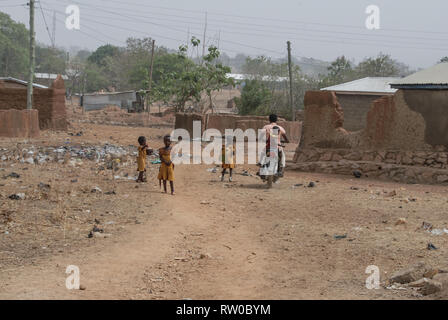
{"x":143,"y":151}
{"x":228,"y":157}
{"x":166,"y":171}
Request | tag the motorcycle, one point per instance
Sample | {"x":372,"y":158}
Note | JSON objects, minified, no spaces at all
{"x":271,"y":169}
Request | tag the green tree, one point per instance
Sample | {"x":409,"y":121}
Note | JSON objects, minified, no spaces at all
{"x":188,"y":80}
{"x":381,"y":66}
{"x":99,"y":55}
{"x":83,"y":55}
{"x":94,"y":78}
{"x":255,"y":98}
{"x":214,"y":74}
{"x":165,"y":63}
{"x":444,"y":59}
{"x":339,"y":71}
{"x":50,"y":60}
{"x":13,"y":47}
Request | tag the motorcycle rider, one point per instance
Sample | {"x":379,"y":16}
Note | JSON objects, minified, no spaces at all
{"x":274,"y":130}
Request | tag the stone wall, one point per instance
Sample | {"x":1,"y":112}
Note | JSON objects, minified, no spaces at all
{"x":49,"y":102}
{"x":19,"y":123}
{"x":405,"y":137}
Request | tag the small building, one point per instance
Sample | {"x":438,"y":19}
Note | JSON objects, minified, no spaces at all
{"x":9,"y":83}
{"x":434,"y":78}
{"x":130,"y":100}
{"x":357,"y":96}
{"x":426,"y":92}
{"x":48,"y":101}
{"x":47,"y":78}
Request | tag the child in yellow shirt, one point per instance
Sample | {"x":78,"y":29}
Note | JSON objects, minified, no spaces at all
{"x":143,"y":151}
{"x":166,"y":171}
{"x":228,"y":158}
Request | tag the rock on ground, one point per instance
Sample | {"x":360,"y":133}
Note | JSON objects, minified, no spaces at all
{"x":413,"y":273}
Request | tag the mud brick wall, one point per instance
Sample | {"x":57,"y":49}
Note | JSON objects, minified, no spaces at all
{"x":405,"y":137}
{"x":401,"y":122}
{"x":323,"y":121}
{"x":19,"y":123}
{"x":185,"y":121}
{"x":255,"y":124}
{"x":432,"y":106}
{"x":221,"y":122}
{"x":49,"y":102}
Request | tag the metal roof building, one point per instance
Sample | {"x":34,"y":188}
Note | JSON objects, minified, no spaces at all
{"x":366,"y":86}
{"x":356,"y":98}
{"x":434,"y":78}
{"x":20,"y":82}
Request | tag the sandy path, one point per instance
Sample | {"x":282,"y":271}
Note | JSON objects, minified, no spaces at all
{"x":217,"y":240}
{"x":115,"y":268}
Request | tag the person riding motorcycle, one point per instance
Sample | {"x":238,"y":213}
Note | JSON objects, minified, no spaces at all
{"x":274,"y":131}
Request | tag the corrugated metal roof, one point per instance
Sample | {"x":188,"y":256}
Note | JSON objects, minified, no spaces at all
{"x":369,"y":85}
{"x":436,"y":76}
{"x":103,"y":94}
{"x":239,"y":76}
{"x":50,"y":76}
{"x":25,"y":83}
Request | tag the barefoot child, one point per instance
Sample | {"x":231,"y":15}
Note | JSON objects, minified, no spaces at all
{"x":166,"y":171}
{"x":228,"y":157}
{"x":143,"y":151}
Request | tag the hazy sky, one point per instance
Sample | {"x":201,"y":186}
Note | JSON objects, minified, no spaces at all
{"x":415,"y":32}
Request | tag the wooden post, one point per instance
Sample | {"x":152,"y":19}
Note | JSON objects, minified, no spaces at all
{"x":29,"y":97}
{"x":205,"y":32}
{"x":290,"y":82}
{"x":150,"y":76}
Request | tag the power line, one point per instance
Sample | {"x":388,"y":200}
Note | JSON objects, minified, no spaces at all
{"x":174,"y":29}
{"x":331,"y":40}
{"x":46,"y":25}
{"x":131,"y":18}
{"x":14,"y":5}
{"x":90,"y":28}
{"x":269,"y":18}
{"x":325,"y":39}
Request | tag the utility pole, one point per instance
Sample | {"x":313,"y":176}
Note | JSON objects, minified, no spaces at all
{"x":29,"y":96}
{"x":188,"y":38}
{"x":150,"y":76}
{"x":205,"y":32}
{"x":54,"y":30}
{"x":290,"y":81}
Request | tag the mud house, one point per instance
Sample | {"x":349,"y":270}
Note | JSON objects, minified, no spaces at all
{"x":49,"y":102}
{"x":426,"y":92}
{"x":405,"y":135}
{"x":356,"y":97}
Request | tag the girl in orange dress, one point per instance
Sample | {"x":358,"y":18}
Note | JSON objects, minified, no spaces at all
{"x":228,"y":158}
{"x":166,"y":171}
{"x":143,"y":151}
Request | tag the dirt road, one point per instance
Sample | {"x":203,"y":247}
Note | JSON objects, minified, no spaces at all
{"x":221,"y":240}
